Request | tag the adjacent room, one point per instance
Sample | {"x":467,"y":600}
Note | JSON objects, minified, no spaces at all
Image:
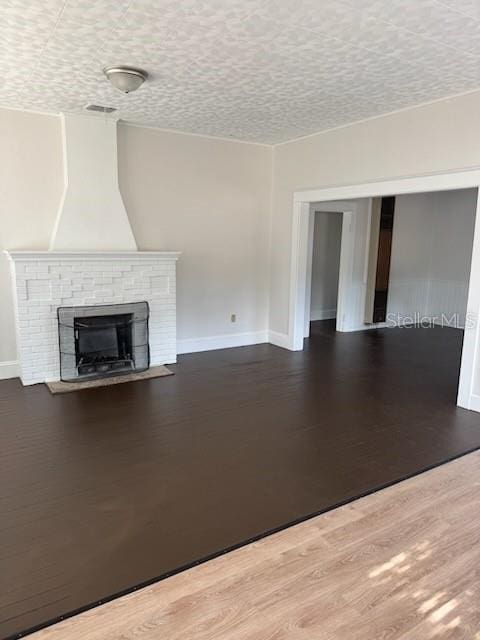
{"x":240,"y":292}
{"x":412,"y":272}
{"x":325,"y":269}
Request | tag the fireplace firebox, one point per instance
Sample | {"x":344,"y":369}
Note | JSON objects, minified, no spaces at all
{"x":103,"y":340}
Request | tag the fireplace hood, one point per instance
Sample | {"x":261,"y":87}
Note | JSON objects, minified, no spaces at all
{"x":92,"y":216}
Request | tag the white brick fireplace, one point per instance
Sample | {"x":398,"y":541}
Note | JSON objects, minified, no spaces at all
{"x":43,"y":281}
{"x":93,"y":261}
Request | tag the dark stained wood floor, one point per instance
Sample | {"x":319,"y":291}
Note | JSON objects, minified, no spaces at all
{"x":105,"y":489}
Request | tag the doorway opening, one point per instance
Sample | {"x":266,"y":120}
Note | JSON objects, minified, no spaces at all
{"x":325,"y":248}
{"x":429,"y":268}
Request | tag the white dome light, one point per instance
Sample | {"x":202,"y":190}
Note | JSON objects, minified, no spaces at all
{"x":126,"y":79}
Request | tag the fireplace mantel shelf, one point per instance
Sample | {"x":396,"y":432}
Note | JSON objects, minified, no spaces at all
{"x":82,"y":256}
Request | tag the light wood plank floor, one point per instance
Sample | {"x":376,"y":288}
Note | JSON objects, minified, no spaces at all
{"x":403,"y":563}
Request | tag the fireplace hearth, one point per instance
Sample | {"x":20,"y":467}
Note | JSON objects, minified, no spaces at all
{"x":103,"y":340}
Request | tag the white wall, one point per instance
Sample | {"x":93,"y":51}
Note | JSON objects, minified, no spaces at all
{"x":92,"y":216}
{"x":352,"y":271}
{"x":411,"y":256}
{"x":354,"y":294}
{"x":454,"y":223}
{"x":327,"y":239}
{"x":431,"y":255}
{"x":208,"y":198}
{"x":437,"y":137}
{"x":31,"y":185}
{"x":354,"y":309}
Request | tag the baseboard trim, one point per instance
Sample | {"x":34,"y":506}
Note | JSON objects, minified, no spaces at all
{"x":189,"y":345}
{"x":9,"y":369}
{"x":474,"y":404}
{"x":279,"y":339}
{"x":323,"y":314}
{"x":368,"y":327}
{"x":225,"y":341}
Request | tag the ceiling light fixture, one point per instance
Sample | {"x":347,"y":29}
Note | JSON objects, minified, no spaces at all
{"x":126,"y":79}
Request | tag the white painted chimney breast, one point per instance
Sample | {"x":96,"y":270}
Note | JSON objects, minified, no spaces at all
{"x":93,"y":257}
{"x":92,"y":215}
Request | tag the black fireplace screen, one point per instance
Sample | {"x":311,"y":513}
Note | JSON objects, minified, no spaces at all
{"x":103,"y":340}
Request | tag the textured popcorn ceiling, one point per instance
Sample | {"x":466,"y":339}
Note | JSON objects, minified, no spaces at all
{"x":257,"y":70}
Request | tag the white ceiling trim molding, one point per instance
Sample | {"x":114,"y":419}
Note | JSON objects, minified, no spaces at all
{"x":379,"y":116}
{"x":140,"y":125}
{"x":177,"y":132}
